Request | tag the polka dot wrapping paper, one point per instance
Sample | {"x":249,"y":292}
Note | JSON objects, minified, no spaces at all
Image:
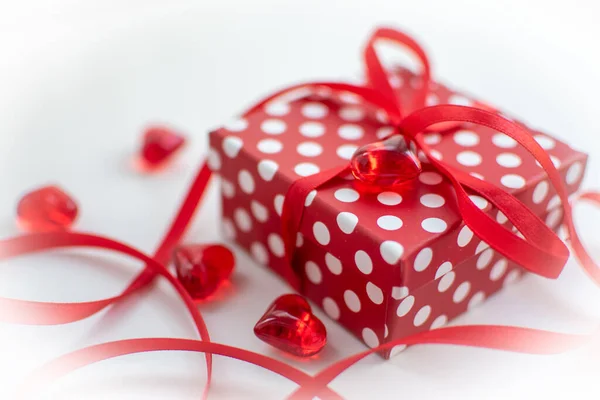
{"x":383,"y":264}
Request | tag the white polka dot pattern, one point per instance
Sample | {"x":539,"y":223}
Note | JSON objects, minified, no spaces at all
{"x":352,"y":113}
{"x":422,"y":316}
{"x":347,"y":195}
{"x":476,"y":300}
{"x":508,"y":160}
{"x":321,"y":233}
{"x":430,"y":178}
{"x":246,"y":181}
{"x":346,"y":151}
{"x":312,"y":129}
{"x":306,"y":169}
{"x":313,"y":273}
{"x":269,"y":146}
{"x":314,"y":110}
{"x":277,"y":109}
{"x":310,"y":197}
{"x":377,"y":236}
{"x":574,"y":173}
{"x":276,"y":244}
{"x":363,"y":262}
{"x":259,"y":253}
{"x":434,"y":225}
{"x":465,"y":236}
{"x":227,"y":188}
{"x":461,"y":292}
{"x":267,"y":169}
{"x":347,"y":222}
{"x":432,"y":200}
{"x":214,"y":159}
{"x":232,"y":146}
{"x":331,"y":308}
{"x":389,"y":223}
{"x":466,"y":138}
{"x":541,"y":191}
{"x":333,"y":263}
{"x":351,"y":132}
{"x":309,"y":149}
{"x":374,"y":293}
{"x":389,"y":198}
{"x":439,"y":322}
{"x":391,"y":251}
{"x":242,"y":220}
{"x":397,"y":350}
{"x":498,"y":269}
{"x":370,"y":337}
{"x":469,"y":158}
{"x":446,"y":281}
{"x":484,"y":258}
{"x":273,"y":126}
{"x":423,"y":259}
{"x":352,"y":301}
{"x":259,"y":211}
{"x":399,"y":293}
{"x":443,"y":269}
{"x":513,"y":181}
{"x":503,"y":141}
{"x":405,"y":306}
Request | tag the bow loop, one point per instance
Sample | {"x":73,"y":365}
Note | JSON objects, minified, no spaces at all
{"x":378,"y":77}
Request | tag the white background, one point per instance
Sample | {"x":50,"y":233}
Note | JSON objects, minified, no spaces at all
{"x":80,"y":79}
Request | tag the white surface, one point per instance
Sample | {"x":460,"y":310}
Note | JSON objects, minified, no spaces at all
{"x":80,"y":79}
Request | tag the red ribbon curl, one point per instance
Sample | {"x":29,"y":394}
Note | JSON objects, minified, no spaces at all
{"x":541,"y":251}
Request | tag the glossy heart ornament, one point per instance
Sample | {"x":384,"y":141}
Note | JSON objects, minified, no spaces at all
{"x":386,"y":164}
{"x":158,"y":145}
{"x":202,"y":269}
{"x":45,"y":209}
{"x":290,"y":325}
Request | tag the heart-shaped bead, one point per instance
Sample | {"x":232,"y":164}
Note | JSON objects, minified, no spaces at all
{"x":289,"y":325}
{"x":202,"y":269}
{"x":385,"y":164}
{"x":159,"y":144}
{"x":45,"y":209}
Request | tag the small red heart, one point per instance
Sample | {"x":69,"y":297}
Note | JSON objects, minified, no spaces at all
{"x":385,"y":164}
{"x":202,"y":268}
{"x":159,"y":145}
{"x":290,"y":325}
{"x":45,"y":209}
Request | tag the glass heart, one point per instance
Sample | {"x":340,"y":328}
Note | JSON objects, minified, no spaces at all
{"x":45,"y":209}
{"x":159,"y":145}
{"x":202,"y":269}
{"x":289,"y":325}
{"x":385,"y":164}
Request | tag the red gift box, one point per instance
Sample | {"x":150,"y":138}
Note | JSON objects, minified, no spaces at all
{"x":384,"y":264}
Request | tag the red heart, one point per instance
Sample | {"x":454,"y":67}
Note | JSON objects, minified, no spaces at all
{"x":202,"y":269}
{"x":290,"y":325}
{"x":159,"y":144}
{"x":48,"y":208}
{"x":385,"y":164}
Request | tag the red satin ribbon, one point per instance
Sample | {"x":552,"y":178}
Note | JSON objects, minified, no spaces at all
{"x":541,"y":252}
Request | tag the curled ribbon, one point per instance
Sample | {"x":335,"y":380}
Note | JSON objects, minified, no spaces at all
{"x":540,"y":250}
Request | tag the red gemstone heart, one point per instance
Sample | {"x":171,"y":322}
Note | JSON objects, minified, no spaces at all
{"x":46,"y":209}
{"x":385,"y":164}
{"x":202,"y":269}
{"x":290,"y":325}
{"x":159,"y":144}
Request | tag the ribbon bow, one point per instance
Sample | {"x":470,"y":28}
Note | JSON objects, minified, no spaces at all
{"x":540,"y":250}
